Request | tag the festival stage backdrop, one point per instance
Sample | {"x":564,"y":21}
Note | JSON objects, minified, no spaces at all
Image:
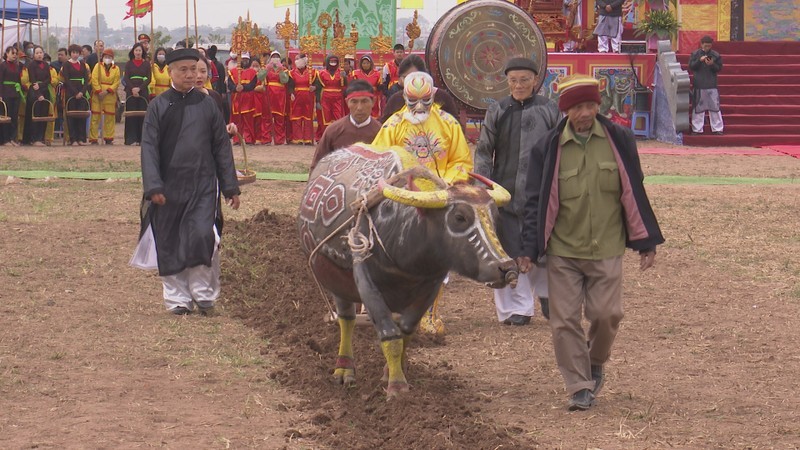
{"x":366,"y":14}
{"x":771,"y":20}
{"x":617,"y":75}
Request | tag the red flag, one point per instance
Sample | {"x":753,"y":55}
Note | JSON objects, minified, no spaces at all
{"x":139,"y":8}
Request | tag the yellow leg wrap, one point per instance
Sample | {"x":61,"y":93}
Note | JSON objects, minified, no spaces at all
{"x":431,"y":322}
{"x":345,"y":372}
{"x":393,"y":351}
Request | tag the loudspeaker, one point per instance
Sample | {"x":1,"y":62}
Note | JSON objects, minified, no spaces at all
{"x":633,"y":47}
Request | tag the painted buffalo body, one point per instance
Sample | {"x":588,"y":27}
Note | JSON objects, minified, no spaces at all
{"x":419,"y":232}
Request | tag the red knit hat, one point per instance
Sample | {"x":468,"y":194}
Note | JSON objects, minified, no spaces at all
{"x":576,"y":89}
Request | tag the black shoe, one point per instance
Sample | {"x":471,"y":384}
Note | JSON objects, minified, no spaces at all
{"x":696,"y":133}
{"x":208,"y":311}
{"x":581,"y":400}
{"x":517,"y":319}
{"x":599,"y":378}
{"x":180,"y":311}
{"x":544,"y":302}
{"x":718,"y":133}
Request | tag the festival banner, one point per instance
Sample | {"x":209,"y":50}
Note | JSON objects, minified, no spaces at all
{"x":281,"y":3}
{"x":368,"y":15}
{"x":138,"y":8}
{"x":411,"y":4}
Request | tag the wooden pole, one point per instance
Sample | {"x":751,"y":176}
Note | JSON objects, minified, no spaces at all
{"x":97,"y":21}
{"x":187,"y":23}
{"x":196,"y":36}
{"x":151,"y":22}
{"x":3,"y":32}
{"x":47,"y":32}
{"x":19,"y":12}
{"x":39,"y":19}
{"x":135,"y":33}
{"x":69,"y":30}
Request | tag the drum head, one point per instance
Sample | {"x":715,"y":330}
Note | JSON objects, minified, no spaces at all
{"x":469,"y":46}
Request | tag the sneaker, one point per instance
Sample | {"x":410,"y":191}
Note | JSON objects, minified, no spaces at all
{"x":599,"y":378}
{"x":517,"y":319}
{"x":581,"y":400}
{"x":180,"y":311}
{"x":544,"y":302}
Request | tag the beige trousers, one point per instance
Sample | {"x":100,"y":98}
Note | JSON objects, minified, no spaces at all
{"x":578,"y":288}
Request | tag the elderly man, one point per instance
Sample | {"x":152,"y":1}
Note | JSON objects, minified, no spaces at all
{"x":435,"y":138}
{"x":585,"y":203}
{"x":509,"y":133}
{"x":187,"y":164}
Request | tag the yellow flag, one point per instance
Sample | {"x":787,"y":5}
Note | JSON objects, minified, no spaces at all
{"x":279,"y":3}
{"x":411,"y":4}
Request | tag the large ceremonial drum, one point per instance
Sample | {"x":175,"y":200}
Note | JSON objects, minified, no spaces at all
{"x":469,"y":46}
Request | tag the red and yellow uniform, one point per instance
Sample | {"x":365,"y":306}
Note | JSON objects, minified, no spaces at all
{"x":277,"y":77}
{"x":243,"y":103}
{"x":263,"y":116}
{"x":392,"y":71}
{"x":373,"y":77}
{"x":331,"y":98}
{"x":302,"y":110}
{"x":105,"y":79}
{"x":159,"y":80}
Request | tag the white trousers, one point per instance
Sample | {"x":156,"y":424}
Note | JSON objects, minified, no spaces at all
{"x":519,"y":300}
{"x":602,"y":41}
{"x":199,"y":283}
{"x":698,"y":120}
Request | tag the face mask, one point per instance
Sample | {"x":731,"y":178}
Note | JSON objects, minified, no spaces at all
{"x":80,"y":58}
{"x":300,"y":63}
{"x":108,"y":61}
{"x":333,"y":63}
{"x":161,"y":58}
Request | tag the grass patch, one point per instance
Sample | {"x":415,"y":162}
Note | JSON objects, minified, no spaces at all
{"x":69,"y":165}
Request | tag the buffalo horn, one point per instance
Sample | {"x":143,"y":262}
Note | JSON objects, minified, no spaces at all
{"x":498,"y":193}
{"x":418,"y":199}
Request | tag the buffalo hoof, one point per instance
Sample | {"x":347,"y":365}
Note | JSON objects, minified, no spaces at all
{"x":345,"y":373}
{"x":396,"y":388}
{"x":345,"y":377}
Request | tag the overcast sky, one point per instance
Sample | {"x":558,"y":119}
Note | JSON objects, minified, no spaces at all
{"x":217,"y":13}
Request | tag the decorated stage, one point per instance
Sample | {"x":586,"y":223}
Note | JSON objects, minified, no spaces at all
{"x":619,"y":76}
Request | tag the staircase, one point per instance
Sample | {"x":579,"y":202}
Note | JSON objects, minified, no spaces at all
{"x":759,"y":88}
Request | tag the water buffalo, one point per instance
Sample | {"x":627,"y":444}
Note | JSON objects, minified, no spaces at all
{"x":383,"y":230}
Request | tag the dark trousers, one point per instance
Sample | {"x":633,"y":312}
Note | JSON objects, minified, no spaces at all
{"x":76,"y":125}
{"x":77,"y":129}
{"x":34,"y":131}
{"x":133,"y":129}
{"x":8,"y":131}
